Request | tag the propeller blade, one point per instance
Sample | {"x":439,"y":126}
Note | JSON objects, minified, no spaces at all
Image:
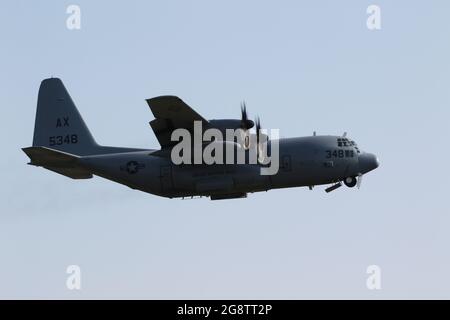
{"x":258,"y":128}
{"x":245,"y":122}
{"x":359,"y":180}
{"x":259,"y":145}
{"x":244,"y":111}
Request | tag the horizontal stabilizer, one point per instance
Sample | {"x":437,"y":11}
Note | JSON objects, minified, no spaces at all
{"x":57,"y":161}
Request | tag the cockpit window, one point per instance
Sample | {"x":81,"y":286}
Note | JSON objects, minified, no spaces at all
{"x":344,"y":142}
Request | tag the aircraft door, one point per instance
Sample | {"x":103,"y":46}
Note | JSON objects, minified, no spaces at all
{"x":166,"y":178}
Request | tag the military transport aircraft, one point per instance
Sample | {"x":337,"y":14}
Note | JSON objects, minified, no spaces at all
{"x":62,"y":143}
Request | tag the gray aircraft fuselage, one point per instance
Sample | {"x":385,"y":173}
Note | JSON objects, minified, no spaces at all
{"x":304,"y":161}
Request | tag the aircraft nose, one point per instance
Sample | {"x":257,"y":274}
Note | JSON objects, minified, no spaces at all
{"x":368,"y":162}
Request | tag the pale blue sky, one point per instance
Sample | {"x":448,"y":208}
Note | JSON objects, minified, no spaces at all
{"x":303,"y":66}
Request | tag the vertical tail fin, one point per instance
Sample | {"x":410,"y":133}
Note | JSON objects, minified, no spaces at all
{"x":58,"y":124}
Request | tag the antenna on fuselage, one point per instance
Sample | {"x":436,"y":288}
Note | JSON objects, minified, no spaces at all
{"x":314,"y":133}
{"x":345,"y":134}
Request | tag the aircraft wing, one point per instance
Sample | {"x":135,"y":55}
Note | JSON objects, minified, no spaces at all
{"x":171,"y":113}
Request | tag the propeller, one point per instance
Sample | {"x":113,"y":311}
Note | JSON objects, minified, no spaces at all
{"x":246,"y":123}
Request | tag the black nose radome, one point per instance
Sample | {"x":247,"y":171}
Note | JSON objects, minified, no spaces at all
{"x":368,"y":162}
